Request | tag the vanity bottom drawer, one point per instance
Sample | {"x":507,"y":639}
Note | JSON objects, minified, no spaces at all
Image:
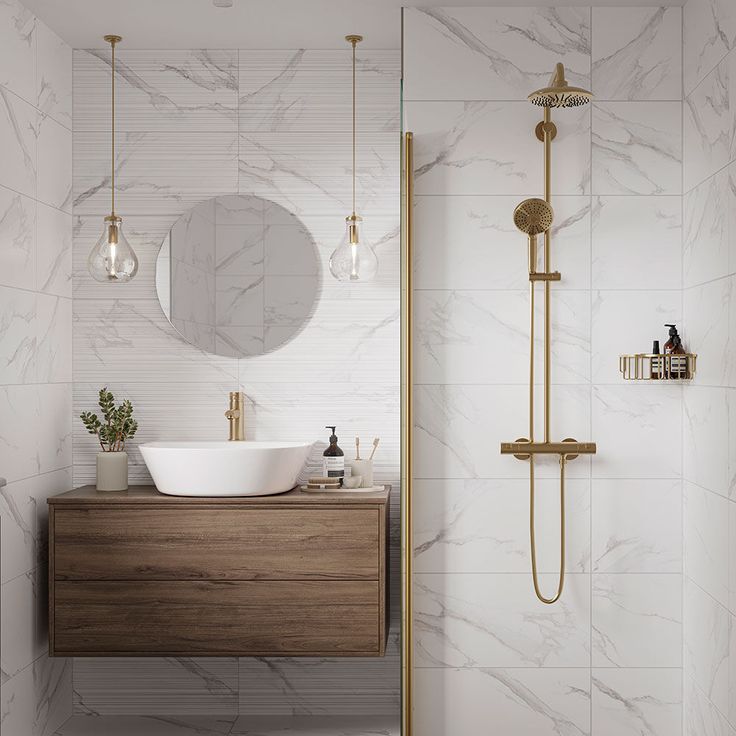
{"x":234,"y":618}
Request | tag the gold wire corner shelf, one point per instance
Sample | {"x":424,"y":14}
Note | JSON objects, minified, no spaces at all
{"x":654,"y":367}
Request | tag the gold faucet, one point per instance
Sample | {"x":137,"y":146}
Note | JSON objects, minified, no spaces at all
{"x":236,"y":416}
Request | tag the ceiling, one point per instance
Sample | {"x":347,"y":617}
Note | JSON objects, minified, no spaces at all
{"x":256,"y":24}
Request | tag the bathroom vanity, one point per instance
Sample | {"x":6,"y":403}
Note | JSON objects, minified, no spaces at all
{"x":138,"y":573}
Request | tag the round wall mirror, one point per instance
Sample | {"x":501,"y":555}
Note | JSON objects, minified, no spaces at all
{"x":238,"y":276}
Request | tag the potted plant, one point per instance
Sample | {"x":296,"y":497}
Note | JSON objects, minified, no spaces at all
{"x":117,"y":426}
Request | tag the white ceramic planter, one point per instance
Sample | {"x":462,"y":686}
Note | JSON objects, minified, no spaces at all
{"x":112,"y":471}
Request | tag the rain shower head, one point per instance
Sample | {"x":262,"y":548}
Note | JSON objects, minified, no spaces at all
{"x":533,"y":216}
{"x":559,"y":93}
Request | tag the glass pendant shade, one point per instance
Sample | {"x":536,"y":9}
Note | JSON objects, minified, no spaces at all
{"x":354,"y":259}
{"x":112,"y":259}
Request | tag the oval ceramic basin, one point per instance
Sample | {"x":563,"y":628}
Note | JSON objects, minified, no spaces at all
{"x":224,"y":468}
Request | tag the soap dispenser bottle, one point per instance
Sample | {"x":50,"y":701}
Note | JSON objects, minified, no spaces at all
{"x":334,"y":458}
{"x":678,"y":359}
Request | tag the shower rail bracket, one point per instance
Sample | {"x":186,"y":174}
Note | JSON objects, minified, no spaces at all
{"x":522,"y":449}
{"x":554,"y":276}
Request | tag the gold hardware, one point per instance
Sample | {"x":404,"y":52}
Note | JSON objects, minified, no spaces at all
{"x":353,"y":39}
{"x":658,"y":367}
{"x":236,"y":416}
{"x":550,"y":128}
{"x":554,"y":276}
{"x":566,"y":447}
{"x":407,"y":427}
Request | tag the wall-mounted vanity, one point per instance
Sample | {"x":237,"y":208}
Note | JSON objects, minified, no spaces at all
{"x":138,"y":573}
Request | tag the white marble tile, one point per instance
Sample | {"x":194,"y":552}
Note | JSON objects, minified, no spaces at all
{"x":156,"y":686}
{"x":193,"y":237}
{"x":54,"y":341}
{"x":357,"y":725}
{"x":636,"y":242}
{"x":637,"y":148}
{"x":732,"y":556}
{"x":637,"y":702}
{"x":483,"y":526}
{"x":458,"y":430}
{"x":637,"y":620}
{"x":18,"y":49}
{"x":470,"y":242}
{"x":53,"y":75}
{"x":164,"y":725}
{"x":239,"y":249}
{"x":179,"y":90}
{"x":289,"y":300}
{"x":706,"y":632}
{"x":731,"y":399}
{"x":637,"y":526}
{"x":708,"y":123}
{"x":544,"y":702}
{"x":637,"y":428}
{"x":53,"y":251}
{"x":54,"y":182}
{"x":626,"y":322}
{"x":701,"y":717}
{"x":38,"y":700}
{"x":460,"y":336}
{"x":35,"y":427}
{"x":19,"y":123}
{"x":473,"y":54}
{"x":706,"y":438}
{"x":705,"y":540}
{"x":289,"y":251}
{"x":706,"y":330}
{"x":17,"y":239}
{"x":18,"y":336}
{"x":637,"y":53}
{"x":240,"y":300}
{"x":706,"y":212}
{"x":281,"y":90}
{"x":709,"y":33}
{"x":479,"y":147}
{"x":193,"y":297}
{"x":489,"y":620}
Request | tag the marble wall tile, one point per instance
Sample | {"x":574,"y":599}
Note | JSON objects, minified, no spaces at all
{"x":701,"y":717}
{"x":499,"y":56}
{"x":281,"y":90}
{"x":481,"y":147}
{"x":54,"y":184}
{"x":708,"y":124}
{"x":194,"y":298}
{"x":17,"y":239}
{"x":731,"y":552}
{"x":641,"y":425}
{"x":19,"y":123}
{"x":240,"y":250}
{"x":637,"y":526}
{"x":53,"y":76}
{"x":24,"y":622}
{"x":625,"y":322}
{"x":470,"y":242}
{"x":54,"y":346}
{"x":706,"y":438}
{"x":706,"y":541}
{"x":481,"y":526}
{"x":193,"y":237}
{"x":53,"y":251}
{"x":706,"y":228}
{"x":156,"y":686}
{"x":637,"y":148}
{"x":19,"y":333}
{"x":636,"y":242}
{"x":709,"y":33}
{"x":637,"y":620}
{"x":18,"y":49}
{"x":471,"y":620}
{"x":632,"y":702}
{"x":545,"y":702}
{"x":706,"y":330}
{"x":637,"y":53}
{"x":179,"y":90}
{"x":706,"y":631}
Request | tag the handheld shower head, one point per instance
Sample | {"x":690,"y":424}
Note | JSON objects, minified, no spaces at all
{"x":533,"y":216}
{"x":560,"y":93}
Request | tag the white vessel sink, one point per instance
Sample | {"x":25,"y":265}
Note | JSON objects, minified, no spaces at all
{"x":224,"y":468}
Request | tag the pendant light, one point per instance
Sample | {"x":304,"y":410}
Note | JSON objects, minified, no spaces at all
{"x":354,"y":259}
{"x":112,"y":259}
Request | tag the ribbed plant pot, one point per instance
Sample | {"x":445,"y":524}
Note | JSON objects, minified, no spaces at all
{"x":112,"y":471}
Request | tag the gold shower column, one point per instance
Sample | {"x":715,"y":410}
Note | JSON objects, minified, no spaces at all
{"x":548,"y":130}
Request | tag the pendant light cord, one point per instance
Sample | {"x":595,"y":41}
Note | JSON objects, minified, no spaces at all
{"x":112,"y":127}
{"x":354,"y":45}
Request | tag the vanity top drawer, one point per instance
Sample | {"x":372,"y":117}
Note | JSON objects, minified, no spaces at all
{"x":189,"y":542}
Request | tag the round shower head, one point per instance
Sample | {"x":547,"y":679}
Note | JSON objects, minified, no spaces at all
{"x":560,"y":93}
{"x":533,"y":216}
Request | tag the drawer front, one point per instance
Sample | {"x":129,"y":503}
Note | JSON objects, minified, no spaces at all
{"x":98,"y":543}
{"x":307,"y":618}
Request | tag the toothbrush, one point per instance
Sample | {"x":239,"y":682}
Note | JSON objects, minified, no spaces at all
{"x":357,"y":448}
{"x":375,"y":447}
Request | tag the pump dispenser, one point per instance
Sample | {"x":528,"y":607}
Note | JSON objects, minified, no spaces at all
{"x":673,"y":347}
{"x":334,"y":458}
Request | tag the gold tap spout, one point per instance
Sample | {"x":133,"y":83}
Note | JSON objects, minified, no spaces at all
{"x":236,"y":416}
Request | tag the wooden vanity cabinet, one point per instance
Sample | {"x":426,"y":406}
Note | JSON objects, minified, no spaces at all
{"x":138,"y":573}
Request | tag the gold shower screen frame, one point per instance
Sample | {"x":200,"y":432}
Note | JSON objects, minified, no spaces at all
{"x":407,"y":424}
